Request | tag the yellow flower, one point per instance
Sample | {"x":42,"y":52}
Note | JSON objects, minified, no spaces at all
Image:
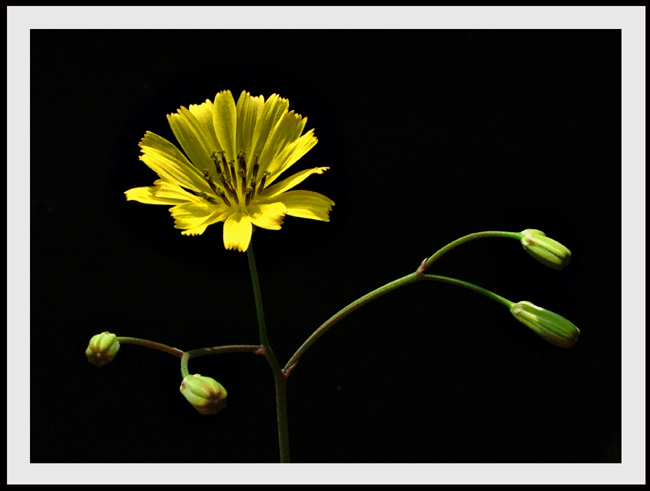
{"x":235,"y":153}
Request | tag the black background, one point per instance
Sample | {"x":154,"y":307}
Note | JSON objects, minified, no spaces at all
{"x":430,"y":135}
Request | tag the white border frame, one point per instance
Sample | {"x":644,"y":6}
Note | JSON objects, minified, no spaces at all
{"x":632,"y":22}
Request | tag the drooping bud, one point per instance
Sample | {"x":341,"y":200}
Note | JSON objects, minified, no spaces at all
{"x":544,"y":249}
{"x":102,"y":348}
{"x":204,"y":393}
{"x":552,"y":327}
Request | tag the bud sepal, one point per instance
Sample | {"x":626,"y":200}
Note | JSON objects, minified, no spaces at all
{"x":205,"y":394}
{"x":102,"y":348}
{"x":548,"y":325}
{"x":544,"y":249}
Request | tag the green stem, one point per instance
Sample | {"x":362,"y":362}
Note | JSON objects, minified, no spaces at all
{"x":369,"y":297}
{"x":417,"y":276}
{"x":150,"y":344}
{"x":215,"y":350}
{"x":462,"y":240}
{"x":396,"y":284}
{"x":257,"y":292}
{"x":279,"y":376}
{"x":470,"y":286}
{"x":282,"y":414}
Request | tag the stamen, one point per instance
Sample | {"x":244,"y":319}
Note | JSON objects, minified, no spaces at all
{"x":215,"y":159}
{"x":207,"y":197}
{"x":232,"y":192}
{"x":249,"y":195}
{"x":222,"y":178}
{"x":260,"y":188}
{"x":227,"y":176}
{"x":222,"y":154}
{"x":241,"y":160}
{"x":233,"y":176}
{"x":222,"y":195}
{"x":256,"y":169}
{"x":242,"y":174}
{"x":226,"y":172}
{"x":208,"y":178}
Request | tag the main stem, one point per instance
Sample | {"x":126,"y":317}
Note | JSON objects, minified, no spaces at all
{"x":281,"y":374}
{"x":278,"y":374}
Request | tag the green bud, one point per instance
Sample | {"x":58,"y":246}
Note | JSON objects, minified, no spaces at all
{"x":545,"y":249}
{"x":102,"y":348}
{"x":204,"y":393}
{"x":552,"y":327}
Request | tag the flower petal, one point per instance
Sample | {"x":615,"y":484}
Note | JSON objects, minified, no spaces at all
{"x":266,"y":132}
{"x":148,"y":195}
{"x":224,"y":119}
{"x":307,"y":204}
{"x":195,"y":138}
{"x":279,"y":138}
{"x":274,"y":108}
{"x":170,"y":191}
{"x":298,"y":129}
{"x":237,"y":231}
{"x":291,"y":154}
{"x":194,"y":231}
{"x":291,"y":181}
{"x":204,"y":114}
{"x":268,"y":215}
{"x":248,"y":109}
{"x":195,"y":217}
{"x":169,"y":163}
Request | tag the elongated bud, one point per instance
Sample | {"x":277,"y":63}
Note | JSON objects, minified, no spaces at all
{"x":544,"y":249}
{"x":552,"y":327}
{"x":204,"y":393}
{"x":102,"y":348}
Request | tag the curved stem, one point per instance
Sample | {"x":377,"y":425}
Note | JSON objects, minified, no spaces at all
{"x":184,"y":368}
{"x":462,"y":240}
{"x":379,"y":292}
{"x":215,"y":350}
{"x":369,"y":297}
{"x":471,"y":286}
{"x":418,"y":275}
{"x":150,"y":344}
{"x":279,"y":376}
{"x":232,"y":348}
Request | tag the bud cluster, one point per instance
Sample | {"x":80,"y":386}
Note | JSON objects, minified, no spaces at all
{"x":550,"y":326}
{"x":102,"y":348}
{"x":546,"y":250}
{"x":204,"y":393}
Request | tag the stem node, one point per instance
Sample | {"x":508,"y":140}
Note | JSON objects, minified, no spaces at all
{"x":287,"y":371}
{"x":421,"y":269}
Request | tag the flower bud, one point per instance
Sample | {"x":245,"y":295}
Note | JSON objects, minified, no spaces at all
{"x":102,"y":348}
{"x":204,"y":393}
{"x":552,"y":327}
{"x":544,"y":249}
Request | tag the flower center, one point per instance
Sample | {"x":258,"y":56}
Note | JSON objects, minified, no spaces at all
{"x":235,"y":180}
